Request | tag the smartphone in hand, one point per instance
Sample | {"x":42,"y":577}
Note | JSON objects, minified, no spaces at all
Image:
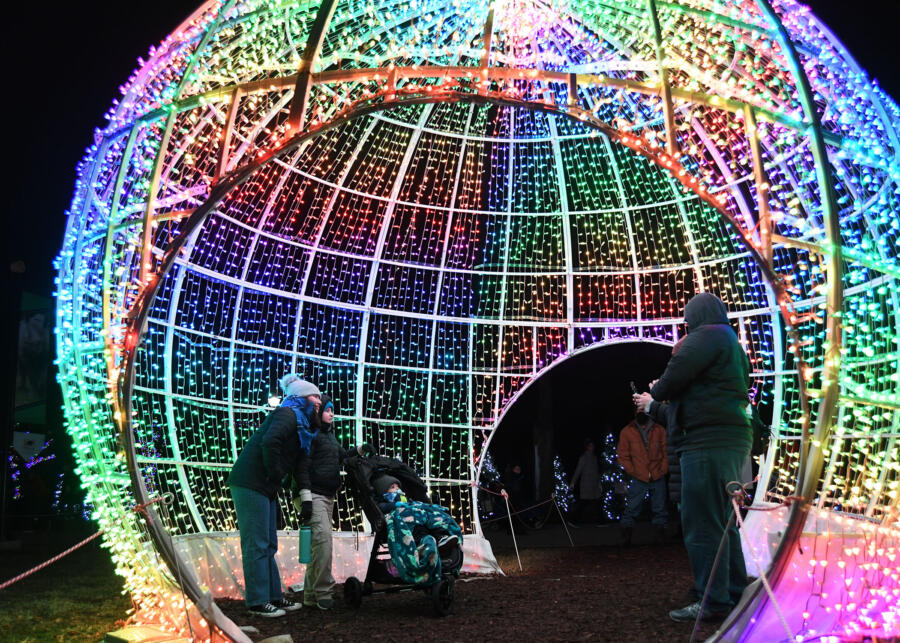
{"x":633,"y":388}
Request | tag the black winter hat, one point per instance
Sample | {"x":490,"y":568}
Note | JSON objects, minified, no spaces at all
{"x":383,"y":482}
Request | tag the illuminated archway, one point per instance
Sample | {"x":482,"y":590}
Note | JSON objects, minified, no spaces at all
{"x":444,"y":234}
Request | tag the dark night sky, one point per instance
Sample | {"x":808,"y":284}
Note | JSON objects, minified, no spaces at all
{"x":66,"y":61}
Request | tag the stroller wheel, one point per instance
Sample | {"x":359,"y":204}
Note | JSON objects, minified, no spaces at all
{"x":353,"y":592}
{"x":442,"y":596}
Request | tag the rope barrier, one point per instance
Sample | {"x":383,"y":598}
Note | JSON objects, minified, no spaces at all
{"x":486,"y":490}
{"x":46,"y":563}
{"x":509,"y":504}
{"x":516,"y":513}
{"x":739,"y":495}
{"x":166,"y":498}
{"x":509,"y":514}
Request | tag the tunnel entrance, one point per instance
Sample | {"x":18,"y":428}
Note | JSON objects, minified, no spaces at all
{"x":585,"y":396}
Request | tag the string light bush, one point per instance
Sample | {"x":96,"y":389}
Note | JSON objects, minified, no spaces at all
{"x":564,"y":496}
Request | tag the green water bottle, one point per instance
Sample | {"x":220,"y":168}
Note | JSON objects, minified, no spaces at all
{"x":305,"y":538}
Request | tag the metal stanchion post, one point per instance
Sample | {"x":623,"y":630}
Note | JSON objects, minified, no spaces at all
{"x":562,"y":518}
{"x":512,"y":528}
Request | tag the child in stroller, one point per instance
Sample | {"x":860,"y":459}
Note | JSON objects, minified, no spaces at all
{"x":417,"y":544}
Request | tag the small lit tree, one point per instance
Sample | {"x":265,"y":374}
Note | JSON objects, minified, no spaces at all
{"x":612,"y":480}
{"x":564,"y":496}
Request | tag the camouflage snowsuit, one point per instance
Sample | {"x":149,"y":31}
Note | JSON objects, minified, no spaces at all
{"x":413,"y":565}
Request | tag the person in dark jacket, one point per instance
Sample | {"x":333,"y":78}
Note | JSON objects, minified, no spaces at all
{"x":708,"y":378}
{"x":261,"y":469}
{"x":666,"y":414}
{"x":317,"y":478}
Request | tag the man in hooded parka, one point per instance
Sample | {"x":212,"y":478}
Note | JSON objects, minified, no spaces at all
{"x":708,"y":378}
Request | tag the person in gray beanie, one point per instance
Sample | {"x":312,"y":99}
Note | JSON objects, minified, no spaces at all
{"x":263,"y":466}
{"x":295,"y":386}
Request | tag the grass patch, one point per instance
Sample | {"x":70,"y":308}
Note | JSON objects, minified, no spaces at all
{"x":77,"y":599}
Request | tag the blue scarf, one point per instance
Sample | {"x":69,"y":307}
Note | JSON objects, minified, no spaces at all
{"x":303,"y":409}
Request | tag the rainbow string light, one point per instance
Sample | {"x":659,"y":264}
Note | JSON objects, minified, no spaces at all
{"x":421,"y":205}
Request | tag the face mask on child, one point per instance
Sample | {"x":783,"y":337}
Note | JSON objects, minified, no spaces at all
{"x":395,"y":496}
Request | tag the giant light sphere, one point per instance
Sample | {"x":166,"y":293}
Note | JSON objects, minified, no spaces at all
{"x":424,"y":205}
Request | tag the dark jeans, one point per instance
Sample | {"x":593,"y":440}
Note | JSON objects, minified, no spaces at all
{"x":705,"y":510}
{"x":587,"y":510}
{"x":256,"y":515}
{"x":634,"y":500}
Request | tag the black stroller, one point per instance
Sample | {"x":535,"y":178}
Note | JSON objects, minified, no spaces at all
{"x":360,"y":473}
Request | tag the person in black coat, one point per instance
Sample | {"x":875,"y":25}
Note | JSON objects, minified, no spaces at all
{"x":666,"y":414}
{"x":708,"y":378}
{"x":263,"y":466}
{"x":317,"y":478}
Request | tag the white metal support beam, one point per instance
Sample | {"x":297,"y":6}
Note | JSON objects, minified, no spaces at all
{"x":566,"y":231}
{"x":362,"y":355}
{"x":626,"y":215}
{"x":501,"y":332}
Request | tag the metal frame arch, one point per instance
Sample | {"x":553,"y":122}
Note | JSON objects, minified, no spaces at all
{"x":812,"y":455}
{"x":135,"y":322}
{"x":297,"y":118}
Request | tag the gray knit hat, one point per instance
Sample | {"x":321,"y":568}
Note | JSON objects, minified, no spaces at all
{"x":293,"y":384}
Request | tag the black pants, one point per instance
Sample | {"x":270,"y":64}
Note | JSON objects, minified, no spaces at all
{"x":587,"y":509}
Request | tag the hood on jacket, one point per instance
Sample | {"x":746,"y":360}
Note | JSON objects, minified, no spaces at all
{"x":326,"y":403}
{"x":704,"y":309}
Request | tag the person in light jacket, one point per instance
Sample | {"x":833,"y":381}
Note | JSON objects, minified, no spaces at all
{"x":587,"y":477}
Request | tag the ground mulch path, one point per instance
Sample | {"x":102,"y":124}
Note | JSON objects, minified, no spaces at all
{"x":589,"y":593}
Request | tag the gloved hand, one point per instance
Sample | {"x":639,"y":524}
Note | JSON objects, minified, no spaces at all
{"x":365,"y":449}
{"x":303,"y":504}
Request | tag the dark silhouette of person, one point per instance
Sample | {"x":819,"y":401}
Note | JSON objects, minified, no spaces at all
{"x":708,"y":379}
